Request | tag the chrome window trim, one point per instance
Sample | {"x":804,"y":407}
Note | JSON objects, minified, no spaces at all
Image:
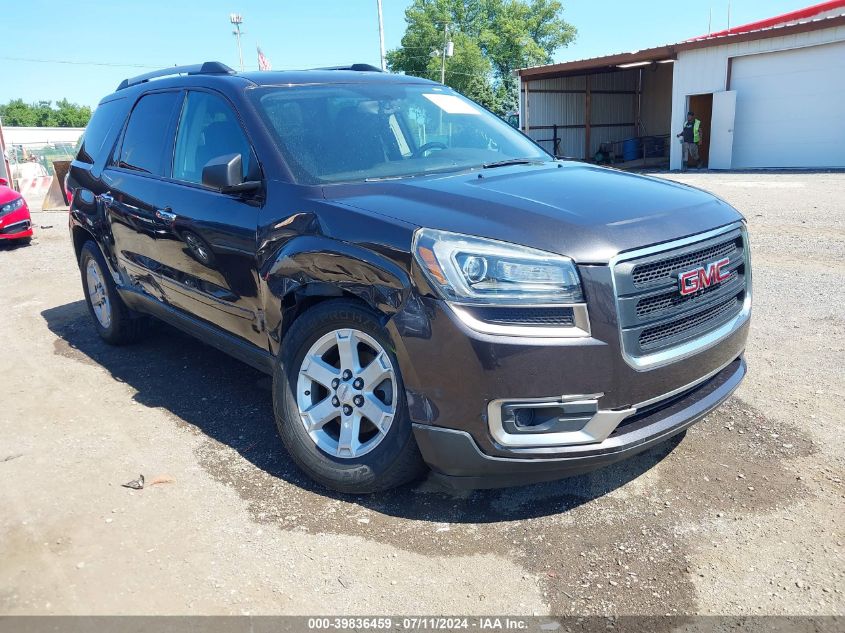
{"x":580,"y":329}
{"x":712,"y":338}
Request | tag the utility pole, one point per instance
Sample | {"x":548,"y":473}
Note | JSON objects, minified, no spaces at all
{"x":381,"y":37}
{"x":237,"y":19}
{"x":443,"y":53}
{"x":729,"y":16}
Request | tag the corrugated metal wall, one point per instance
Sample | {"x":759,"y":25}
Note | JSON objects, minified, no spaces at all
{"x":614,"y":101}
{"x":656,"y":113}
{"x":558,"y":101}
{"x":561,"y":101}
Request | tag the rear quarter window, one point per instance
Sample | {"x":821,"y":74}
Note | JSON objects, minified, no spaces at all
{"x":102,"y":128}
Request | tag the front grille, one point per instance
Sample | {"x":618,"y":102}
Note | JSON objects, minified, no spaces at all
{"x":538,"y":317}
{"x":657,"y":304}
{"x":659,"y":272}
{"x":653,"y":336}
{"x":17,"y":227}
{"x":654,"y":316}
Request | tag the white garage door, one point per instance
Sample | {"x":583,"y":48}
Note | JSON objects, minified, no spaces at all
{"x":789,"y":108}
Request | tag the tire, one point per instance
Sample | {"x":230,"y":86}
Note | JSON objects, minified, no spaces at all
{"x":389,"y":458}
{"x":120,"y":325}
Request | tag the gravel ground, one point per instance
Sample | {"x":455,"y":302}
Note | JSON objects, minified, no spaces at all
{"x":742,"y":516}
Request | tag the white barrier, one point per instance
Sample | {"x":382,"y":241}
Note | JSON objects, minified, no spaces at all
{"x":34,"y":186}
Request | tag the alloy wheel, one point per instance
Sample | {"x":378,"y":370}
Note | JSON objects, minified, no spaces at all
{"x":346,"y":393}
{"x":98,"y":294}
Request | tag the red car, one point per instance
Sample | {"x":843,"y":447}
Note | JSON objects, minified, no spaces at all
{"x":15,"y":221}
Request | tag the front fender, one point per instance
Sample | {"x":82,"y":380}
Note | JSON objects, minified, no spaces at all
{"x":313,"y":264}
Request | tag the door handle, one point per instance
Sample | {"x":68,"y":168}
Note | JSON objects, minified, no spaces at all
{"x":106,"y":198}
{"x":166,"y":215}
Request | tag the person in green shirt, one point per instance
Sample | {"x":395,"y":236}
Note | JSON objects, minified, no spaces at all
{"x":691,"y":139}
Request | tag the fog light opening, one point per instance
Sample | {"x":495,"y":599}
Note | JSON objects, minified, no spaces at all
{"x":523,"y":418}
{"x":547,"y":417}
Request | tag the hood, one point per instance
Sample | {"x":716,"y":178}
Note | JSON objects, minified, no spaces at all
{"x":587,"y":213}
{"x":7,"y":194}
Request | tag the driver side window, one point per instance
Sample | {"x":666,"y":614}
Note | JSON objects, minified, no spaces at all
{"x":208,"y":128}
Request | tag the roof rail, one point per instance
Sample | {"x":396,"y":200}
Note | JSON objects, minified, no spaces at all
{"x":206,"y":68}
{"x":363,"y":68}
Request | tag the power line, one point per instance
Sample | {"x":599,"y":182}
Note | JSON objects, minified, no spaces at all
{"x":448,"y":72}
{"x":453,"y":72}
{"x":76,"y":63}
{"x":117,"y":65}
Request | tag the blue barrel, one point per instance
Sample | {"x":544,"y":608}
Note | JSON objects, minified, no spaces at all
{"x":632,"y":149}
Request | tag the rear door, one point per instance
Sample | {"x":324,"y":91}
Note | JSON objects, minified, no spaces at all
{"x":133,"y":181}
{"x":208,"y":245}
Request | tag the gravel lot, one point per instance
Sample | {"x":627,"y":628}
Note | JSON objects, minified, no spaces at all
{"x":743,"y":516}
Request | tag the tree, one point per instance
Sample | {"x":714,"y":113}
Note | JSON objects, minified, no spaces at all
{"x":463,"y":71}
{"x":18,"y":113}
{"x":43,"y":114}
{"x":71,"y":114}
{"x":492,"y":38}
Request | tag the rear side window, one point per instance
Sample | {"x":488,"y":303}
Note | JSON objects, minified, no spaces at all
{"x":208,"y":129}
{"x":146,"y":137}
{"x":102,"y":127}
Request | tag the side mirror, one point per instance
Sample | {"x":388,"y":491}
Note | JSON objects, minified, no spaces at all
{"x":4,"y":182}
{"x":225,"y":173}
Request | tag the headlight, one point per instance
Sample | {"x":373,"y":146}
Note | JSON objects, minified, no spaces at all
{"x":473,"y":270}
{"x":14,"y":205}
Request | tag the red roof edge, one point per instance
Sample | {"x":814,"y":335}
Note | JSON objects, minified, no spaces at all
{"x":800,"y":14}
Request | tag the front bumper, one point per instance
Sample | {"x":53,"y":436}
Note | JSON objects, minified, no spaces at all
{"x":455,"y":457}
{"x":454,"y":377}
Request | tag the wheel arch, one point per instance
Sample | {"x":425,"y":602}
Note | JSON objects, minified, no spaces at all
{"x":312,"y":269}
{"x":80,"y":235}
{"x":309,"y":296}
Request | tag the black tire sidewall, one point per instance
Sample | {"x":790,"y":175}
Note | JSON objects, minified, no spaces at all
{"x":365,"y":473}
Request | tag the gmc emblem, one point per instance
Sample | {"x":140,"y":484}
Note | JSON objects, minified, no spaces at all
{"x":702,"y":277}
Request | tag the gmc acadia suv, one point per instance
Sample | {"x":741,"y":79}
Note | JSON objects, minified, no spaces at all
{"x":425,"y":284}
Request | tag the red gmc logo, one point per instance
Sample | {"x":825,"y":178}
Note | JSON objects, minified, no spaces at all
{"x":702,"y":277}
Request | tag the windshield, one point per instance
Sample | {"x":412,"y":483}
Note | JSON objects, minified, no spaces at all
{"x":355,"y":132}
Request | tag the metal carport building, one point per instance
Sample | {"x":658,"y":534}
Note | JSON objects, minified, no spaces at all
{"x":769,"y":95}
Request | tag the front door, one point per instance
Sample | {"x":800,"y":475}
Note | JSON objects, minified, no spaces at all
{"x":207,"y":259}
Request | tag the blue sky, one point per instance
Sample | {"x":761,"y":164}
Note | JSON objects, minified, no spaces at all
{"x":126,"y":37}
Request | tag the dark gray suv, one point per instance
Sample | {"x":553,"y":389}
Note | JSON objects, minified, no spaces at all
{"x":424,"y":283}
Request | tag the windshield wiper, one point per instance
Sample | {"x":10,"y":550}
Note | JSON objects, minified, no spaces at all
{"x":511,"y":161}
{"x":418,"y":174}
{"x":381,"y":178}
